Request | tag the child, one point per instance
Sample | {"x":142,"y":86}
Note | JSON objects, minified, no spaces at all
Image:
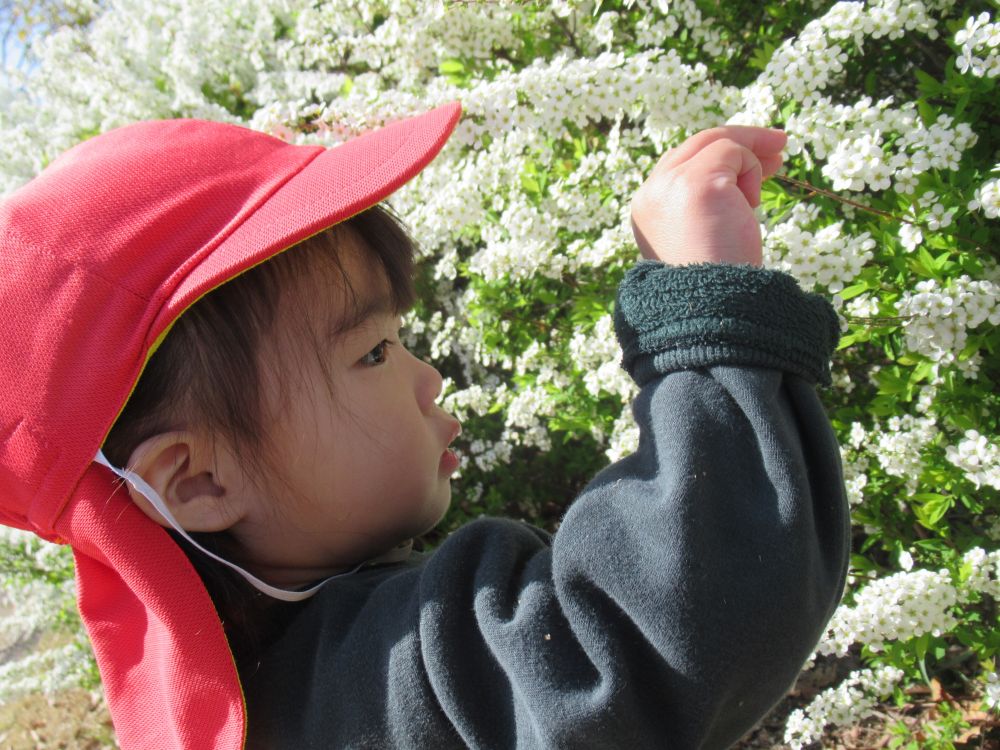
{"x":294,"y":448}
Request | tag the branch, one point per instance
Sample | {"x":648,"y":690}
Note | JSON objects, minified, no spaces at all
{"x":878,"y":212}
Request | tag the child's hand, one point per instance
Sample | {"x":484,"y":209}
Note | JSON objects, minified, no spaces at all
{"x":697,"y":204}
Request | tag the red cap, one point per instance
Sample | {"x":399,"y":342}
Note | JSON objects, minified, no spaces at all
{"x":99,"y":255}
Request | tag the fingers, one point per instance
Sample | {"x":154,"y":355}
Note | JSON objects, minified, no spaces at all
{"x":764,"y":142}
{"x":771,"y":164}
{"x":749,"y":183}
{"x":742,"y":156}
{"x":728,"y":161}
{"x":697,"y":204}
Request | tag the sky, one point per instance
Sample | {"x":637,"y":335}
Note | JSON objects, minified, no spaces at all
{"x":12,"y":50}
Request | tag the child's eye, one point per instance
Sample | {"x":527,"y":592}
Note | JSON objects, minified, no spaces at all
{"x":379,"y":353}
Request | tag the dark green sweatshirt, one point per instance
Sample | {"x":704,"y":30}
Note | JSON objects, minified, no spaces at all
{"x":679,"y":598}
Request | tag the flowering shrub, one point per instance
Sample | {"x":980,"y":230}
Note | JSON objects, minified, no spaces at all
{"x":888,"y":203}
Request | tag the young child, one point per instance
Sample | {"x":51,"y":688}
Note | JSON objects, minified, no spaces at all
{"x":213,"y":316}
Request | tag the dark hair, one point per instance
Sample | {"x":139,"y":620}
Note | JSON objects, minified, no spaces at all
{"x":207,"y":373}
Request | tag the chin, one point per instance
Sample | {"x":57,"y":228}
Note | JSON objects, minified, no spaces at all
{"x":437,"y":518}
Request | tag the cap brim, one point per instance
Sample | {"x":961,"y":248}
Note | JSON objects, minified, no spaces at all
{"x":339,"y":183}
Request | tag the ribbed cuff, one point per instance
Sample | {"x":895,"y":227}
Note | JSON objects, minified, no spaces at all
{"x":680,"y":317}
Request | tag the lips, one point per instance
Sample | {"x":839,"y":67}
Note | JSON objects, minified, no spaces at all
{"x":449,"y":460}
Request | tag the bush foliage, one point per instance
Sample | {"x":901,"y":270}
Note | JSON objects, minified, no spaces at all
{"x":888,"y":202}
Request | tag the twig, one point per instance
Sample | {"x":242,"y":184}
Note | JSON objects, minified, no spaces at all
{"x":829,"y":194}
{"x":855,"y":204}
{"x":569,"y":34}
{"x":880,"y":321}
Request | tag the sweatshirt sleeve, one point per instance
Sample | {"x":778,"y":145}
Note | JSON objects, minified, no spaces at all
{"x":679,"y":598}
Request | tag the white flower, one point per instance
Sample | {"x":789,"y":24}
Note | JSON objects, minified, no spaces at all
{"x":898,"y":446}
{"x":905,"y":560}
{"x":598,"y":356}
{"x":604,"y":30}
{"x":991,"y":690}
{"x":979,"y":41}
{"x":938,"y":319}
{"x":978,"y":457}
{"x":895,"y":608}
{"x":827,"y":256}
{"x":984,"y":572}
{"x":624,"y":438}
{"x":841,"y":705}
{"x":910,"y":236}
{"x":987,"y":198}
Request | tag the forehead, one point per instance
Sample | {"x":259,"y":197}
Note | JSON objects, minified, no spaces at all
{"x":367,"y":293}
{"x":350,"y":288}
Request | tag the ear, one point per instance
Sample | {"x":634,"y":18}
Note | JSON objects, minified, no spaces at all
{"x":196,"y":482}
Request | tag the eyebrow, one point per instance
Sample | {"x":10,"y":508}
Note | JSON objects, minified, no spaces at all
{"x":382,"y":304}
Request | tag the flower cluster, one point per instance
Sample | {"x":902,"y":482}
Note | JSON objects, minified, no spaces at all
{"x":476,"y":399}
{"x":931,"y":212}
{"x":855,"y":465}
{"x":598,"y":356}
{"x":855,"y":140}
{"x":33,"y":608}
{"x":979,"y":41}
{"x":991,"y":685}
{"x":898,"y":607}
{"x":524,"y":418}
{"x":488,"y":456}
{"x":844,"y":704}
{"x":827,"y":257}
{"x":48,"y":671}
{"x":978,"y":457}
{"x":987,"y":198}
{"x":812,"y":61}
{"x":939,"y":318}
{"x":624,"y":436}
{"x":983,"y":572}
{"x":37,"y":597}
{"x":899,"y":446}
{"x":895,"y":608}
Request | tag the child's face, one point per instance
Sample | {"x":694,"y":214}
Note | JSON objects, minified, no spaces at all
{"x":363,"y":465}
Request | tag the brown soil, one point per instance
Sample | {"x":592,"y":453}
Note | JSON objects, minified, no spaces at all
{"x":78,"y":720}
{"x":73,"y":720}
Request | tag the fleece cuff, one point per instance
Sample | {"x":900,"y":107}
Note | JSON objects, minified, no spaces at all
{"x":682,"y":317}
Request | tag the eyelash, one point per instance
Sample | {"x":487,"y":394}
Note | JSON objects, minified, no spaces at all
{"x":384,"y":346}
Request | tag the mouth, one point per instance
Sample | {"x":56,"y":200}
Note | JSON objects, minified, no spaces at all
{"x":449,"y":461}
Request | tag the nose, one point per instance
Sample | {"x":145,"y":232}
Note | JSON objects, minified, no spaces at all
{"x":429,"y":384}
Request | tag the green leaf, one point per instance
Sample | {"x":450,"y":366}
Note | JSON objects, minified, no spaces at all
{"x":891,"y":383}
{"x":451,"y":67}
{"x":927,"y":260}
{"x":530,"y":185}
{"x":942,"y":262}
{"x":853,"y":290}
{"x":762,"y":56}
{"x":963,"y":102}
{"x":927,"y":112}
{"x":932,"y":508}
{"x":927,"y":84}
{"x":921,"y":372}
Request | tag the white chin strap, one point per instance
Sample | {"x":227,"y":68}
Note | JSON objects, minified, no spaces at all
{"x":153,"y":496}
